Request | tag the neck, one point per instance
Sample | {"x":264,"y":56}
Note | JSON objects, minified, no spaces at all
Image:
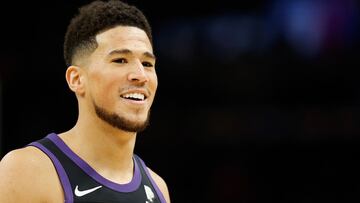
{"x":108,"y":150}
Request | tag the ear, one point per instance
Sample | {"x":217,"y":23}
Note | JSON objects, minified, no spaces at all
{"x":75,"y":79}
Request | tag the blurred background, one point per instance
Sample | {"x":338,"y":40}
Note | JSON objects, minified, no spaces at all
{"x":258,"y":101}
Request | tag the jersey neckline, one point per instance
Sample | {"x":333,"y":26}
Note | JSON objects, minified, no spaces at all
{"x":127,"y":187}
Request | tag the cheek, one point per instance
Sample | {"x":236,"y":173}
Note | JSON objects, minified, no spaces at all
{"x":153,"y":87}
{"x":104,"y":87}
{"x":154,"y":82}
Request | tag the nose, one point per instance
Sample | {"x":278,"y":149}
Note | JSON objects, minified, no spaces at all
{"x":138,"y":74}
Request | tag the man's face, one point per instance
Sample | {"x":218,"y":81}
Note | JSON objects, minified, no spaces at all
{"x":121,"y":78}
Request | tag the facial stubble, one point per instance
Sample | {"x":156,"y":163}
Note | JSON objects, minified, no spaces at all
{"x":120,"y":122}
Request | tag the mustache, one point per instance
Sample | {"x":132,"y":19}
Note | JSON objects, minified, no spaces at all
{"x":142,"y":88}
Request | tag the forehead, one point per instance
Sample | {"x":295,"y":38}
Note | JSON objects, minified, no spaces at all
{"x":123,"y":37}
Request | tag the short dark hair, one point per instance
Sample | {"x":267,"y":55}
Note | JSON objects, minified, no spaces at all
{"x":98,"y":17}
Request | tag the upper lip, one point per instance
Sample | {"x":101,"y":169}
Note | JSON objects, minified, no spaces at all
{"x":140,"y":91}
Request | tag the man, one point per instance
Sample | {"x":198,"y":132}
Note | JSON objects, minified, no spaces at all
{"x":111,"y":70}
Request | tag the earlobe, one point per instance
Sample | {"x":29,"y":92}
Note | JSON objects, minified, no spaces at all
{"x":74,"y":78}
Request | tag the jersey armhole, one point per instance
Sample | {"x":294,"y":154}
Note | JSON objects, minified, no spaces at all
{"x":64,"y":179}
{"x":158,"y":191}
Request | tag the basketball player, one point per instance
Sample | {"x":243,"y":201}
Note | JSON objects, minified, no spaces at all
{"x":111,"y":70}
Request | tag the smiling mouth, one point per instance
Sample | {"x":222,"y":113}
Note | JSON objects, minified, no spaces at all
{"x":134,"y":96}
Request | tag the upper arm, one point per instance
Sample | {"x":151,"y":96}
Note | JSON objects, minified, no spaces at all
{"x":161,"y":184}
{"x":21,"y":176}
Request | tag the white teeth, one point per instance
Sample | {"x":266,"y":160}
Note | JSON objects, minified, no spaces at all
{"x":134,"y":96}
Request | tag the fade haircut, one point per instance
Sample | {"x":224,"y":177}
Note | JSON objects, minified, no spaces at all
{"x":96,"y":18}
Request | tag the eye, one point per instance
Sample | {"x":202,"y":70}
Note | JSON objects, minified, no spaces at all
{"x":119,"y":60}
{"x":147,"y":64}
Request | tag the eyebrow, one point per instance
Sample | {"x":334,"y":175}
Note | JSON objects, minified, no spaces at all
{"x":127,"y":51}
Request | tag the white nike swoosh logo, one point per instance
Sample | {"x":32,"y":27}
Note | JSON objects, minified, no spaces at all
{"x":85,"y":192}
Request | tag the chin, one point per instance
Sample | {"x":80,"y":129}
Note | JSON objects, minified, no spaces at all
{"x":130,"y":123}
{"x":132,"y":126}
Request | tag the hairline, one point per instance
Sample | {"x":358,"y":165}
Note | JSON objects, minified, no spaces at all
{"x":87,"y":47}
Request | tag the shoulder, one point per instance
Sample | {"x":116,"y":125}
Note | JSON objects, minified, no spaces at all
{"x":24,"y":173}
{"x":161,"y":184}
